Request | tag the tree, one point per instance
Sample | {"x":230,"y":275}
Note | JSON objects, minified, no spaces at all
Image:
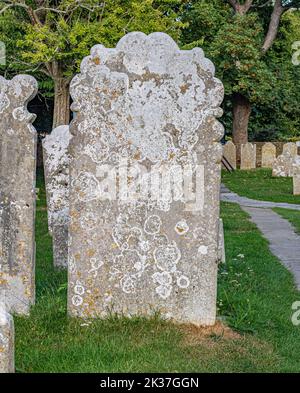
{"x":242,"y":102}
{"x":54,"y":36}
{"x":238,"y":44}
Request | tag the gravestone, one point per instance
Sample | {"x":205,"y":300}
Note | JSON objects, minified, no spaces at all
{"x":290,"y":148}
{"x":268,"y":155}
{"x":283,"y":165}
{"x":229,"y":152}
{"x":56,"y":169}
{"x":7,"y":362}
{"x":296,"y":184}
{"x":145,"y":113}
{"x":248,"y":156}
{"x":296,"y":176}
{"x":17,"y":193}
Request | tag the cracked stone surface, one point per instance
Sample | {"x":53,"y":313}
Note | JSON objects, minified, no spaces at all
{"x":155,"y":106}
{"x":56,"y":169}
{"x":7,"y":348}
{"x":17,"y":193}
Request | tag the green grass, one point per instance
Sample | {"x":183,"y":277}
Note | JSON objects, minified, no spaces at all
{"x":259,"y":184}
{"x":293,"y":216}
{"x":254,"y":298}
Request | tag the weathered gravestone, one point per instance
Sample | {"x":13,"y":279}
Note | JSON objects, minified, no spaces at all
{"x":283,"y":165}
{"x":296,"y":175}
{"x":56,"y":168}
{"x":296,"y":184}
{"x":248,"y":156}
{"x":7,"y":348}
{"x":17,"y":193}
{"x":290,"y":148}
{"x":229,"y":152}
{"x":148,"y":107}
{"x":268,"y":155}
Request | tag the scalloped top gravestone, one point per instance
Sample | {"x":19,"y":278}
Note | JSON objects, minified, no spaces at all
{"x":268,"y":155}
{"x":56,"y":168}
{"x":144,"y":182}
{"x":7,"y":338}
{"x":17,"y":193}
{"x":248,"y":156}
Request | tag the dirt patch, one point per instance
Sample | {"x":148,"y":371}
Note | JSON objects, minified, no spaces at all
{"x":194,"y":335}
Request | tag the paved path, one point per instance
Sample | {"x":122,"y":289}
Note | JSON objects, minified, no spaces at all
{"x":284,"y":242}
{"x":229,"y":196}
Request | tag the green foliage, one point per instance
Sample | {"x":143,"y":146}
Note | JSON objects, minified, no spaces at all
{"x":236,"y":50}
{"x":233,"y":42}
{"x":67,"y":34}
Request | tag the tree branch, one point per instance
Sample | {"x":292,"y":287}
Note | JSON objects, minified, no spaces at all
{"x":278,"y":11}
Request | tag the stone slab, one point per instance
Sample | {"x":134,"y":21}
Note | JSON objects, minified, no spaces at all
{"x":56,"y":169}
{"x":248,"y":156}
{"x":17,"y":193}
{"x":145,"y":105}
{"x":7,"y":347}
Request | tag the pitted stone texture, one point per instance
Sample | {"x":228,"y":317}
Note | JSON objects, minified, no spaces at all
{"x":155,"y":104}
{"x":56,"y":168}
{"x":248,"y":156}
{"x":268,"y":155}
{"x":17,"y":193}
{"x":284,"y":165}
{"x":229,"y":152}
{"x":290,"y":148}
{"x":7,"y":347}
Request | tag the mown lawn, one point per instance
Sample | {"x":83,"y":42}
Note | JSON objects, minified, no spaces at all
{"x":259,"y":184}
{"x":293,"y":216}
{"x":254,"y":298}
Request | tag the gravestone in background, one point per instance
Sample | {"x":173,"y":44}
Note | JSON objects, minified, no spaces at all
{"x":56,"y":168}
{"x":17,"y":193}
{"x":7,"y":347}
{"x":283,"y":165}
{"x":145,"y":109}
{"x":296,"y":176}
{"x":248,"y":156}
{"x":268,"y":155}
{"x":290,"y":148}
{"x":229,"y":152}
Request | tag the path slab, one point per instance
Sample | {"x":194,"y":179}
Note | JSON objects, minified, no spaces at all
{"x":229,"y":196}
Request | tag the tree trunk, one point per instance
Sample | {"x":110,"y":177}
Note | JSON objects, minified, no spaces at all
{"x":278,"y":10}
{"x":241,"y":114}
{"x":61,"y":115}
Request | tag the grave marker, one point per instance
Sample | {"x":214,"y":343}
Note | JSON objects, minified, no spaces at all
{"x":145,"y":120}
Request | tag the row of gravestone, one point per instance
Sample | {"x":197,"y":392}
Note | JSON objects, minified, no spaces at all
{"x":132,"y":187}
{"x":248,"y":154}
{"x":285,"y":165}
